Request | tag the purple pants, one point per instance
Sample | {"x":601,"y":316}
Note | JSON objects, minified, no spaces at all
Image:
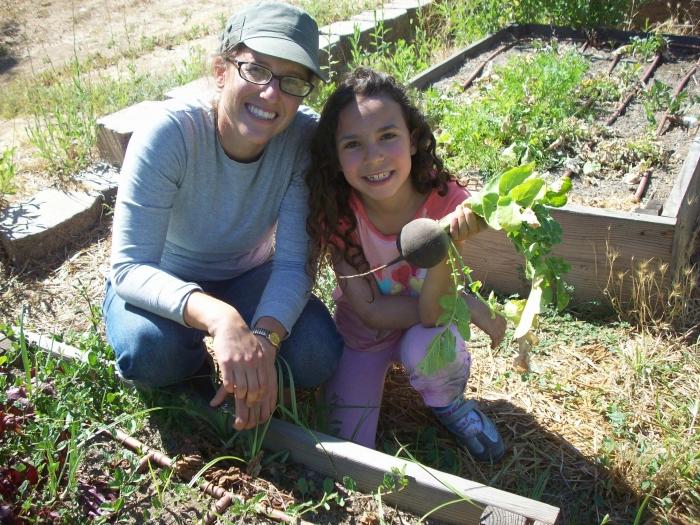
{"x":354,"y":393}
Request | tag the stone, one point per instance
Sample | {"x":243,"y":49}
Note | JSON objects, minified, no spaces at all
{"x":114,"y":130}
{"x":45,"y":223}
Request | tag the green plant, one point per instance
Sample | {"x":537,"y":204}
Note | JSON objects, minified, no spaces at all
{"x":517,"y":203}
{"x":64,"y":125}
{"x":7,"y":172}
{"x":529,"y":104}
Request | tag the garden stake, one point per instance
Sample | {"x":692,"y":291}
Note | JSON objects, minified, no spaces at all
{"x":488,"y":59}
{"x":677,"y":91}
{"x":645,"y":77}
{"x":225,"y":498}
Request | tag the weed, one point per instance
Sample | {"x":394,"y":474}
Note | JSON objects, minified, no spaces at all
{"x":7,"y":172}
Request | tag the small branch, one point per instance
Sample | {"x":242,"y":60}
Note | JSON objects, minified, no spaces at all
{"x":677,"y":91}
{"x":224,"y":498}
{"x":488,"y":59}
{"x":645,"y":77}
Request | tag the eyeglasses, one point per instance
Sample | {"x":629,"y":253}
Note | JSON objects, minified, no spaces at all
{"x":257,"y":74}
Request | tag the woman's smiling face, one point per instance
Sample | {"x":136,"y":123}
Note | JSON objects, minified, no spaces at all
{"x":250,"y":115}
{"x":374,"y":147}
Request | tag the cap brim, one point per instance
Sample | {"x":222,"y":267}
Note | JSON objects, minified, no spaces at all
{"x":285,"y":49}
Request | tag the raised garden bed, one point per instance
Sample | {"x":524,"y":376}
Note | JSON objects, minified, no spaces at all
{"x":608,"y":152}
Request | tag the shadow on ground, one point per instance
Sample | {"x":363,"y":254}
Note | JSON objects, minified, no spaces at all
{"x":538,"y":463}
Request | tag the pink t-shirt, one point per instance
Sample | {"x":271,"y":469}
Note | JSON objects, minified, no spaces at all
{"x":401,"y":278}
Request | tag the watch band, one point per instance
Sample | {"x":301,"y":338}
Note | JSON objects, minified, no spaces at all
{"x":272,"y":337}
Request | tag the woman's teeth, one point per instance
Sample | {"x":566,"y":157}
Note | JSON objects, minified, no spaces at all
{"x":261,"y":113}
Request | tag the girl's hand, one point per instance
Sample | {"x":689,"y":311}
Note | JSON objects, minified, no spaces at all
{"x":464,"y":223}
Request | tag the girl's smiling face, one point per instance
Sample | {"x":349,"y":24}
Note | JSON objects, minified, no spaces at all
{"x":374,"y":147}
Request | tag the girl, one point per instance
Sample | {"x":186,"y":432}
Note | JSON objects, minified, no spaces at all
{"x":374,"y":169}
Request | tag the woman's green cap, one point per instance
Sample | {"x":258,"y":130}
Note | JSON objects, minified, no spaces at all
{"x":275,"y":29}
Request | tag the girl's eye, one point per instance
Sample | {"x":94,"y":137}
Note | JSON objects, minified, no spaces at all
{"x":350,"y":144}
{"x":388,"y":135}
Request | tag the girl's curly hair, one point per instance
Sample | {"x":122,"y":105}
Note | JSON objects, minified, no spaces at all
{"x":330,"y":220}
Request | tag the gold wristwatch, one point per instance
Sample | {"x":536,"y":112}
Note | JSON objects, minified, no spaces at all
{"x":272,"y":337}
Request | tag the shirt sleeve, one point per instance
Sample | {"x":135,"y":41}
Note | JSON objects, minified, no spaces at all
{"x":289,"y":286}
{"x":149,"y":180}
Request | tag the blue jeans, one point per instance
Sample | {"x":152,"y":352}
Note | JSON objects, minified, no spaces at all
{"x":153,"y":351}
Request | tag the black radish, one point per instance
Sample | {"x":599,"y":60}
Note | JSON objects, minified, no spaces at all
{"x":423,"y":242}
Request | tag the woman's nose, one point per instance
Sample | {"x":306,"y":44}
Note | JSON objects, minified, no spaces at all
{"x":271,"y":90}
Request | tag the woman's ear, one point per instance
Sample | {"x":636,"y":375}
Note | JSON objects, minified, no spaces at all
{"x":414,"y":142}
{"x":220,"y":67}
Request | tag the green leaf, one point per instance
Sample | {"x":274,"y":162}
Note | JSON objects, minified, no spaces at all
{"x":349,"y":484}
{"x":513,"y":310}
{"x":462,"y":318}
{"x":441,"y":352}
{"x":509,"y":217}
{"x":513,"y":177}
{"x":525,"y":193}
{"x":556,"y":197}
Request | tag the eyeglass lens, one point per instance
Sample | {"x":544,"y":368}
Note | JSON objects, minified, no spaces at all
{"x":261,"y":75}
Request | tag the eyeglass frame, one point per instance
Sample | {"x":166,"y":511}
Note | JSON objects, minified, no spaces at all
{"x":239,"y":63}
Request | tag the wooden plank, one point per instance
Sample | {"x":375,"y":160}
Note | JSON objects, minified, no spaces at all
{"x":684,"y":204}
{"x":434,"y":73}
{"x":427,"y":488}
{"x":590,"y":235}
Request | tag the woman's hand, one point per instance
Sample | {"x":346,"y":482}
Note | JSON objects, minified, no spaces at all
{"x":246,"y":362}
{"x":464,"y":223}
{"x":247,"y":365}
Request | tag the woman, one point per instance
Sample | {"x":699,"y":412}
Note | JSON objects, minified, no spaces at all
{"x":209,"y":226}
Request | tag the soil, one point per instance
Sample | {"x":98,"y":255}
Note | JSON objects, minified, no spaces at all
{"x":606,"y":173}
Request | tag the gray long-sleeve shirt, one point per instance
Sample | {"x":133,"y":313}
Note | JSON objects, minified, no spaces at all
{"x":186,"y":212}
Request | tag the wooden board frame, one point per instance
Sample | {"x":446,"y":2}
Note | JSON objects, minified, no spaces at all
{"x":601,"y":245}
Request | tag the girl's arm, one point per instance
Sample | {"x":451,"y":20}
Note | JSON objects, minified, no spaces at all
{"x":381,"y":312}
{"x":438,"y":282}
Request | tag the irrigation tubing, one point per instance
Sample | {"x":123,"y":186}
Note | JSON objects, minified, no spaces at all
{"x":615,"y":61}
{"x":677,"y":91}
{"x":645,"y":78}
{"x":643,"y":183}
{"x":488,"y":59}
{"x":224,"y":498}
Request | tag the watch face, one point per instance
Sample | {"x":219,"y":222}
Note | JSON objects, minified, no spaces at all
{"x":274,"y":338}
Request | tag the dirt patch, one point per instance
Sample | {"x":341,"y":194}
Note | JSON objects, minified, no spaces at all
{"x":40,"y":34}
{"x":608,"y":161}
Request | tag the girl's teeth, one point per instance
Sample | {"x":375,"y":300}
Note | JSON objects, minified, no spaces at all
{"x":380,"y":176}
{"x":260,"y":113}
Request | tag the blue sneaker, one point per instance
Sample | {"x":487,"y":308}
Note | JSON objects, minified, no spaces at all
{"x":473,"y":429}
